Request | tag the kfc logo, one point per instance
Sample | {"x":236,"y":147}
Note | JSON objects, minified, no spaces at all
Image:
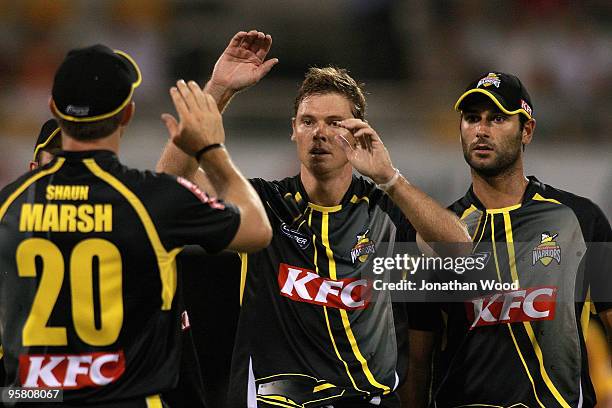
{"x":510,"y":307}
{"x":302,"y":285}
{"x":70,"y":371}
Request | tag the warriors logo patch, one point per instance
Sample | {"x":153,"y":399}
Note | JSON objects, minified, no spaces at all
{"x":363,"y":248}
{"x":491,"y":79}
{"x":547,"y":250}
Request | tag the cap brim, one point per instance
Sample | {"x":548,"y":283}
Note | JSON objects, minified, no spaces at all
{"x":136,"y":80}
{"x":44,"y":144}
{"x":494,"y":97}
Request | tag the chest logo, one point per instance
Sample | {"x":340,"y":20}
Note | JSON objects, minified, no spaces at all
{"x":301,"y":239}
{"x":547,"y":250}
{"x":363,"y":248}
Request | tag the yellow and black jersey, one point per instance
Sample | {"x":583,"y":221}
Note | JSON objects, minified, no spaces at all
{"x":88,"y":275}
{"x":306,"y":335}
{"x":524,"y":346}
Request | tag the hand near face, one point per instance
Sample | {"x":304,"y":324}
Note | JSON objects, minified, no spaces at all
{"x":199,"y":123}
{"x":368,"y":155}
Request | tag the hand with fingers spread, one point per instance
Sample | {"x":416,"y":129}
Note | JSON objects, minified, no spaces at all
{"x":199,"y":123}
{"x":243,"y":63}
{"x":365,"y":151}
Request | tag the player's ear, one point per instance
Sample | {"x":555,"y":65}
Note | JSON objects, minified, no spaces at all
{"x":128,"y":114}
{"x":51,"y":106}
{"x":33,"y":165}
{"x":528,"y":131}
{"x":293,"y":129}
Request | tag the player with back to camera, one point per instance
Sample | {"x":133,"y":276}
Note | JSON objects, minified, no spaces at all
{"x":88,"y":246}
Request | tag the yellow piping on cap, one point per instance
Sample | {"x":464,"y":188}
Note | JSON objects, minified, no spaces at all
{"x":493,"y":98}
{"x":103,"y":116}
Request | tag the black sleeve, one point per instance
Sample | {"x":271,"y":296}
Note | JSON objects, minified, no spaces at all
{"x":196,"y":218}
{"x":405,"y":230}
{"x":599,"y":262}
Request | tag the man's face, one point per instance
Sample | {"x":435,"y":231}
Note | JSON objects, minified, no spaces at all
{"x":491,"y":140}
{"x":314,"y":130}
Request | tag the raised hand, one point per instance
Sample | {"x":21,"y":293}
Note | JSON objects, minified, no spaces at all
{"x":199,"y":123}
{"x":365,"y":151}
{"x":243,"y":63}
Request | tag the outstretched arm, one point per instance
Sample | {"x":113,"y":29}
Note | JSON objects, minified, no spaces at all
{"x":368,"y":155}
{"x":241,"y":65}
{"x":199,"y":133}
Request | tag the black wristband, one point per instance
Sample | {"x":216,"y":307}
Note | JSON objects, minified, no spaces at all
{"x":203,"y":150}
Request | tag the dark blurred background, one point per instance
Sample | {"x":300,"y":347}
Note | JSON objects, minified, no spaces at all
{"x":415,"y":57}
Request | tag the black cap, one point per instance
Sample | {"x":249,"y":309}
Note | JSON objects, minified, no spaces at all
{"x":48,"y":132}
{"x":94,"y":83}
{"x":505,"y":90}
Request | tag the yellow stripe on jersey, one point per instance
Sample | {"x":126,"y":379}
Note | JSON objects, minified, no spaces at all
{"x":322,"y":387}
{"x":244,"y":266}
{"x":504,"y":209}
{"x":329,"y":330}
{"x":528,"y":328}
{"x":28,"y":183}
{"x":585,"y":315}
{"x":538,"y":197}
{"x":469,"y":211}
{"x":154,"y":401}
{"x":278,"y":401}
{"x":166,"y":261}
{"x":345,"y":320}
{"x":355,"y":199}
{"x":518,"y":349}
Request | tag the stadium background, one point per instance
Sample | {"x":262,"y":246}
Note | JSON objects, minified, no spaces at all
{"x":415,"y":57}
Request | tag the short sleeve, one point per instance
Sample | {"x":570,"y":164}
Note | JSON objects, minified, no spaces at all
{"x":196,"y":218}
{"x":599,"y":262}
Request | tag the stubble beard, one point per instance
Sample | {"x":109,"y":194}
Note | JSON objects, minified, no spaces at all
{"x":505,"y":158}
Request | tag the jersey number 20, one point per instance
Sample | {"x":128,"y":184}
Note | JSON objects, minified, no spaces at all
{"x":35,"y":331}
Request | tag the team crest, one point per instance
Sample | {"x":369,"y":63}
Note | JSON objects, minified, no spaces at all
{"x":547,"y":250}
{"x":363,"y":248}
{"x":491,"y":79}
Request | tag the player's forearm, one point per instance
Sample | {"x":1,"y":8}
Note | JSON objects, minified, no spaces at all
{"x":606,"y":320}
{"x":176,"y":162}
{"x":230,"y":185}
{"x":414,"y":393}
{"x":222,"y":95}
{"x":433,"y":222}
